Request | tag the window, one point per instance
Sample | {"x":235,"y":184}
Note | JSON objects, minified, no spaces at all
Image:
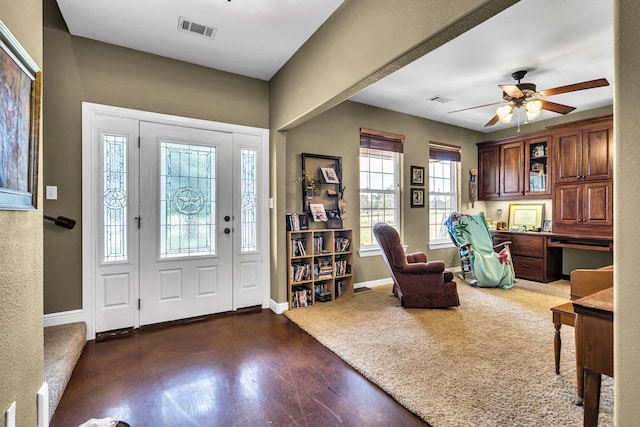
{"x":444,"y":176}
{"x":379,"y":183}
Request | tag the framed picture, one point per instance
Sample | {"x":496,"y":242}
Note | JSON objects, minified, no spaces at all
{"x":330,"y":176}
{"x":546,"y":226}
{"x":527,"y":215}
{"x":318,"y":213}
{"x":20,"y":128}
{"x":417,"y":197}
{"x":417,"y":175}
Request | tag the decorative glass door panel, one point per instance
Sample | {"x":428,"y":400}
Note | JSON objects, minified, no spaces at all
{"x":187,"y":200}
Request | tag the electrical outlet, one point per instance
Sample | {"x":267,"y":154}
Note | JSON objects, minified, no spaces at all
{"x":11,"y":416}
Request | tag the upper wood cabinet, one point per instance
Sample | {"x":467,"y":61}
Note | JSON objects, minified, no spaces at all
{"x":584,"y":151}
{"x":514,"y":168}
{"x":488,"y":172}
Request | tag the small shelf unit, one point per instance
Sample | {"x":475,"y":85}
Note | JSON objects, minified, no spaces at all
{"x":320,"y":266}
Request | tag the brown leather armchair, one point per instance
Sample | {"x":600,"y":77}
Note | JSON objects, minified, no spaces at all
{"x":417,"y":281}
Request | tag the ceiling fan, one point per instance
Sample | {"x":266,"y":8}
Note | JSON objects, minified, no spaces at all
{"x":525,"y":95}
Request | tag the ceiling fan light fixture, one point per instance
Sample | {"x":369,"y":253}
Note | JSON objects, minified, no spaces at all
{"x":533,"y":109}
{"x":505,"y":113}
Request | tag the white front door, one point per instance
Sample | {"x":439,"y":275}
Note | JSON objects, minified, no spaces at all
{"x":175,"y":218}
{"x":185,"y":222}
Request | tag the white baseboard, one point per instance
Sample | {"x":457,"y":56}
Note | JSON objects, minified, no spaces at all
{"x":63,"y":317}
{"x":278,"y":307}
{"x":374,"y":283}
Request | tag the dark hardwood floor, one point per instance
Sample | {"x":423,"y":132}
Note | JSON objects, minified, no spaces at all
{"x":244,"y":369}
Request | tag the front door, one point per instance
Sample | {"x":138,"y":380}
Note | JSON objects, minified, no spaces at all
{"x":175,"y":218}
{"x":185,"y":222}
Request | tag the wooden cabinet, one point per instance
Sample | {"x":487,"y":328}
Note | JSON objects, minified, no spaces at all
{"x":514,"y":168}
{"x":583,"y":189}
{"x":537,"y":167}
{"x":319,"y":264}
{"x":511,"y":170}
{"x":532,"y":258}
{"x":488,"y":172}
{"x":585,"y":207}
{"x":584,"y":153}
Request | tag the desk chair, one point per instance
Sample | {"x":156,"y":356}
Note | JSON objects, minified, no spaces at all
{"x":583,"y":282}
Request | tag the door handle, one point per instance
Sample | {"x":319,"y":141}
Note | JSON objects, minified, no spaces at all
{"x":227,"y":230}
{"x":227,"y":218}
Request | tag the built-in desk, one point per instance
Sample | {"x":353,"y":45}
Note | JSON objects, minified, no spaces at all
{"x":538,"y":255}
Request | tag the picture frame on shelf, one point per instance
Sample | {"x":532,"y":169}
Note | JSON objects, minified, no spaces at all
{"x":417,"y":197}
{"x":318,"y":213}
{"x":417,"y":175}
{"x":330,"y":176}
{"x":546,"y":225}
{"x":526,"y":215}
{"x":21,"y":130}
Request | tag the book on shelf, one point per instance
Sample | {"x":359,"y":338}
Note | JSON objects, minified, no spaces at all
{"x":300,"y":272}
{"x":321,"y":293}
{"x":297,"y":221}
{"x":341,"y":288}
{"x":342,"y":244}
{"x":342,"y":267}
{"x":298,"y":247}
{"x":323,"y":267}
{"x":301,"y":297}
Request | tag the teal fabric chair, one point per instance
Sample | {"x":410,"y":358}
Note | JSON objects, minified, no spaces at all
{"x":482,"y":266}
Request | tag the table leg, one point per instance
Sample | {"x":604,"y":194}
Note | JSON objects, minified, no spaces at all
{"x":592,"y":384}
{"x":579,"y":366}
{"x":557,"y":345}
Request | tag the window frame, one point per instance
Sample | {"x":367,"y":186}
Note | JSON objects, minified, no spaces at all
{"x":372,"y":249}
{"x":455,"y":174}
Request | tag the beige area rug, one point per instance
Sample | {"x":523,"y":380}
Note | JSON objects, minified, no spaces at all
{"x":488,"y":362}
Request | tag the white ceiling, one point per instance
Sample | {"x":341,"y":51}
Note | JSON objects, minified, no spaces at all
{"x":558,"y":42}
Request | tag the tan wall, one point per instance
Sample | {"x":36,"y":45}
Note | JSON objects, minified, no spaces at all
{"x":626,"y":207}
{"x":21,"y":342}
{"x":336,"y":133}
{"x":80,"y":70}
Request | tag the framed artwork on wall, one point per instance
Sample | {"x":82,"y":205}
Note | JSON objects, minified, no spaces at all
{"x":20,"y":127}
{"x":417,"y":175}
{"x":417,"y":197}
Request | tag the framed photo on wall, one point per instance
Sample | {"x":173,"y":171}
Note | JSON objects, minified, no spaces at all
{"x":20,"y":128}
{"x":417,"y":197}
{"x":417,"y":175}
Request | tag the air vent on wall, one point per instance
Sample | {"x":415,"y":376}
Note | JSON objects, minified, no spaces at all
{"x":187,"y":25}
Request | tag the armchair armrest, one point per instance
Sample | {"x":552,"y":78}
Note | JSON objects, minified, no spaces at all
{"x":416,"y":257}
{"x":584,"y":282}
{"x":505,"y":243}
{"x":424,"y":267}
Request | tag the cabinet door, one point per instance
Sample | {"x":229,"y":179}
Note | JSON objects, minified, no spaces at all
{"x":567,"y":205}
{"x":511,"y":173}
{"x":537,"y":168}
{"x":598,"y":204}
{"x":597,"y":152}
{"x":568,"y":156}
{"x":488,"y":172}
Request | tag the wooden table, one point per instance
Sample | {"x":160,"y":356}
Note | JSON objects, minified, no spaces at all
{"x":594,"y":347}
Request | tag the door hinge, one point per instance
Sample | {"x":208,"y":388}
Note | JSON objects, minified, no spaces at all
{"x":138,"y":303}
{"x":138,"y":142}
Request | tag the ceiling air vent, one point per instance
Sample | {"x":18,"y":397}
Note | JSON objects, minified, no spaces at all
{"x":187,"y":25}
{"x":439,"y":99}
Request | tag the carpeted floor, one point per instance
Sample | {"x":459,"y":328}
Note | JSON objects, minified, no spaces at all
{"x":488,"y":362}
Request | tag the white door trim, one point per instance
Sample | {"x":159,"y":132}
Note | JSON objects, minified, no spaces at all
{"x":89,"y":192}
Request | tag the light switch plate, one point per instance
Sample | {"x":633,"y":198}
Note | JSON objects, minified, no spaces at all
{"x":52,"y":192}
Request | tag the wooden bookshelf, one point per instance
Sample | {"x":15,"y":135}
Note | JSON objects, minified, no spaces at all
{"x":320,"y":266}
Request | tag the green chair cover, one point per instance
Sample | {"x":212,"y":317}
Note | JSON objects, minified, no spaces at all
{"x":491,"y":269}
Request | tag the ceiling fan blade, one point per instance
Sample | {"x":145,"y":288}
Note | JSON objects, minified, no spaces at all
{"x":512,"y":90}
{"x":574,"y":87}
{"x":556,"y":108}
{"x":477,"y":106}
{"x":493,"y":121}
